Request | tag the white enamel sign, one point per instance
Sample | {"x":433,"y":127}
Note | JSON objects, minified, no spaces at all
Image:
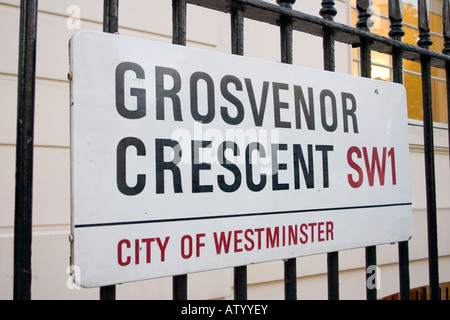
{"x":186,"y":160}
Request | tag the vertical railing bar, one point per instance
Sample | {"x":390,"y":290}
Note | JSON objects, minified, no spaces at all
{"x":290,"y":265}
{"x":24,"y":150}
{"x":403,"y":262}
{"x":286,"y":33}
{"x":240,"y":283}
{"x":371,"y":260}
{"x":179,"y":22}
{"x":110,"y":25}
{"x":364,"y":23}
{"x":333,"y":275}
{"x":179,"y":287}
{"x":237,"y":30}
{"x":425,"y":61}
{"x":290,"y":279}
{"x":446,"y":50}
{"x":396,"y":32}
{"x":108,"y":292}
{"x":179,"y":13}
{"x":110,"y":16}
{"x":328,"y":12}
{"x":237,"y":47}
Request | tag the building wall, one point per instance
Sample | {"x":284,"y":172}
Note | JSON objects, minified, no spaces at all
{"x":151,"y":19}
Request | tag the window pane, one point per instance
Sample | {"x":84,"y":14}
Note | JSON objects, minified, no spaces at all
{"x":410,"y":15}
{"x":436,"y":22}
{"x":354,"y":17}
{"x":411,"y":66}
{"x":355,"y":53}
{"x":411,"y":35}
{"x":355,"y":68}
{"x":380,"y":26}
{"x":380,"y":7}
{"x":412,"y":81}
{"x":436,"y":72}
{"x":439,"y":98}
{"x":381,"y":73}
{"x":381,"y":58}
{"x":438,"y":43}
{"x":413,"y":87}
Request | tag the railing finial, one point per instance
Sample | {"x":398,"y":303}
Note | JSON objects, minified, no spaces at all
{"x":446,"y":18}
{"x":328,"y":11}
{"x":424,"y":25}
{"x":396,"y":18}
{"x":365,"y":12}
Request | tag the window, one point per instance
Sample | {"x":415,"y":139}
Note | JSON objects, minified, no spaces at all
{"x":382,"y":64}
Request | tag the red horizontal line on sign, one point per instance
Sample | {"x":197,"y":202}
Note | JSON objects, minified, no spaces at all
{"x":111,"y":224}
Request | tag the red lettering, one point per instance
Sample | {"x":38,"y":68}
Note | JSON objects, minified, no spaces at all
{"x":148,"y":242}
{"x":258,"y":231}
{"x":189,"y":247}
{"x":302,"y":231}
{"x":237,"y":241}
{"x":391,"y":154}
{"x":356,"y":167}
{"x":162,"y":247}
{"x":199,"y":244}
{"x":293,"y":234}
{"x":320,"y":231}
{"x":249,"y":239}
{"x":312,"y":225}
{"x":222,"y":242}
{"x":126,"y":260}
{"x":330,"y":226}
{"x":272,"y":240}
{"x":136,"y":251}
{"x":119,"y":253}
{"x":375,"y":164}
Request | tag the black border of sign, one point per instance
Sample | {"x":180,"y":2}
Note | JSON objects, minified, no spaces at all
{"x":111,"y":224}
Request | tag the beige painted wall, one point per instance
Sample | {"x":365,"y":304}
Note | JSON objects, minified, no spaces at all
{"x":51,"y":209}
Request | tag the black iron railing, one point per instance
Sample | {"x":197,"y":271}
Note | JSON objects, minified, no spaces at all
{"x":288,"y":21}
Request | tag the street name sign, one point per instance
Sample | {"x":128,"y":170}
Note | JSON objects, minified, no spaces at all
{"x":185,"y":160}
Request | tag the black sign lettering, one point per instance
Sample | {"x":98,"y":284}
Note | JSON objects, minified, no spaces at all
{"x":197,"y":166}
{"x":139,"y":93}
{"x":249,"y":167}
{"x":349,"y":112}
{"x":308,"y":112}
{"x":277,"y":104}
{"x":231,"y":98}
{"x":323,"y":110}
{"x":209,"y":116}
{"x":277,"y":167}
{"x":162,"y":165}
{"x":308,"y":171}
{"x":325,"y":150}
{"x":258,"y":113}
{"x":223,"y":185}
{"x":121,"y":172}
{"x":172,"y":93}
